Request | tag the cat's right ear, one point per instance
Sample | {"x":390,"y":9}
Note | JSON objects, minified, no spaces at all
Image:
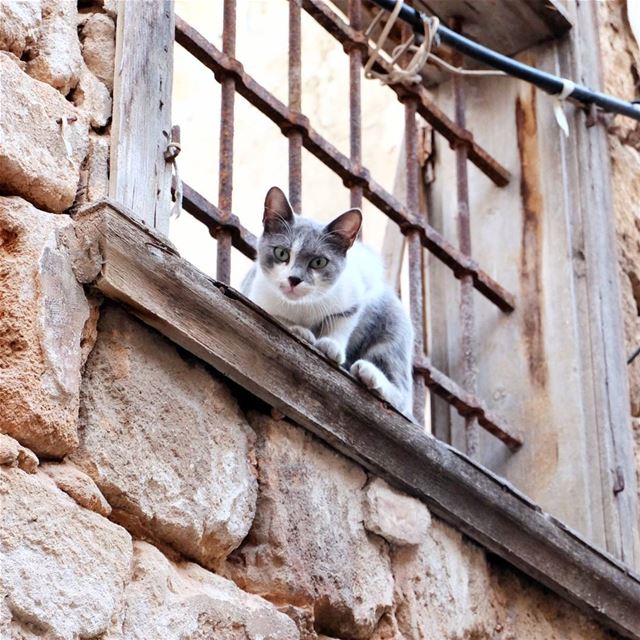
{"x":278,"y":213}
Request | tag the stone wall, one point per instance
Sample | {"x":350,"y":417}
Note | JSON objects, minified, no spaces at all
{"x":141,"y":495}
{"x":621,"y":77}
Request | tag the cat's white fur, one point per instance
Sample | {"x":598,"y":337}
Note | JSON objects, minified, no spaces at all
{"x":360,"y":281}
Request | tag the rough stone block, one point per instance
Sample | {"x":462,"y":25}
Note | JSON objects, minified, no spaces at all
{"x":527,"y":612}
{"x":44,"y":310}
{"x":170,"y":601}
{"x":58,"y":57}
{"x":35,"y":161}
{"x":165,"y":441}
{"x":443,"y":588}
{"x":98,"y":35}
{"x":63,"y":569}
{"x":19,"y":25}
{"x":92,"y":97}
{"x":396,"y":517}
{"x":78,"y":485}
{"x":13,"y":454}
{"x":308,"y":546}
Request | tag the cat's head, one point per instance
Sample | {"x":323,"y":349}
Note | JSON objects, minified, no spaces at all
{"x":302,"y":259}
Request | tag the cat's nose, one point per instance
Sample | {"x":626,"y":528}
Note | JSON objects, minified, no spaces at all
{"x":294,"y":281}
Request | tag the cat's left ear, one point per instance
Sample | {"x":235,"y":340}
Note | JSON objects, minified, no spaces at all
{"x":344,"y":229}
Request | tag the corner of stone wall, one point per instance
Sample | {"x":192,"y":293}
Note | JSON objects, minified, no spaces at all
{"x":56,"y":70}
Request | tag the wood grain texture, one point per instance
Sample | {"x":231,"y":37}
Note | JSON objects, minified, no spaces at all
{"x":218,"y":325}
{"x":140,"y":178}
{"x":556,"y":367}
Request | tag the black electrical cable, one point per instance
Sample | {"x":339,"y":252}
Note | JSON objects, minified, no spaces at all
{"x":541,"y":79}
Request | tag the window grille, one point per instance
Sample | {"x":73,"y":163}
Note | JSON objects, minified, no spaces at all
{"x":229,"y":231}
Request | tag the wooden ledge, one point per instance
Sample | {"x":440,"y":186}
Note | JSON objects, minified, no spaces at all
{"x":133,"y":265}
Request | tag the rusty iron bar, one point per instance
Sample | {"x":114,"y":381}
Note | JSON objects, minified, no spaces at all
{"x":215,"y":221}
{"x":468,"y":404}
{"x":467,"y":319}
{"x":414,"y":247}
{"x":349,"y":37}
{"x":221,"y":65}
{"x":225,"y":172}
{"x":295,"y":104}
{"x":355,"y":100}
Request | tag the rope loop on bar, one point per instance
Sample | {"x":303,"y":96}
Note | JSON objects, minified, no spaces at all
{"x":421,"y":54}
{"x":171,"y":155}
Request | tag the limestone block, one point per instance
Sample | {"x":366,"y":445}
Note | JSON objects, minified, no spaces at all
{"x":63,"y":569}
{"x":170,"y":601}
{"x":58,"y":57}
{"x":393,"y":515}
{"x":97,"y":167}
{"x":43,"y":312}
{"x":34,"y":160}
{"x":92,"y":97}
{"x":527,"y":612}
{"x":443,"y":588}
{"x":78,"y":485}
{"x":19,"y":25}
{"x":165,"y":441}
{"x":308,"y":546}
{"x":98,"y":35}
{"x":13,"y":454}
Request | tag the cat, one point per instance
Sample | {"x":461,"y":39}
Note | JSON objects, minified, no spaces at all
{"x":329,"y":289}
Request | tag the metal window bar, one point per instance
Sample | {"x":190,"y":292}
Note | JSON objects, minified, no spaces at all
{"x":229,"y":231}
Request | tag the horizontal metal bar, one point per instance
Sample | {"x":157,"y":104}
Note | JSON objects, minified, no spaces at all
{"x":446,"y":127}
{"x":541,"y":79}
{"x":207,"y":213}
{"x":223,"y":65}
{"x":467,"y":404}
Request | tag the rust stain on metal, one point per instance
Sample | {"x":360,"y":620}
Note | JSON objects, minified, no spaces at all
{"x":225,"y":162}
{"x":355,"y":106}
{"x":531,"y":249}
{"x":295,"y":104}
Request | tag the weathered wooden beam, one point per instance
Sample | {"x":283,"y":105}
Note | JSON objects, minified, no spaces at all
{"x":133,"y":266}
{"x":140,"y":177}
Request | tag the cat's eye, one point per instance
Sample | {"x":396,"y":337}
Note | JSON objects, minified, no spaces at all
{"x":281,"y":254}
{"x":319,"y":263}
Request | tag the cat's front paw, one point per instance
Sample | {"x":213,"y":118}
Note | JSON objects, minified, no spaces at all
{"x":370,"y":376}
{"x":303,"y":333}
{"x":331,"y":349}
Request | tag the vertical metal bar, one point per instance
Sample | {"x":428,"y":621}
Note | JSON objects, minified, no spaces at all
{"x":469,"y":374}
{"x":295,"y":103}
{"x":355,"y":97}
{"x":225,"y":186}
{"x":414,"y":245}
{"x":415,"y":253}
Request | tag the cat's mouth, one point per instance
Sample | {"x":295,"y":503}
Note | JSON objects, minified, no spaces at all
{"x":293,"y":293}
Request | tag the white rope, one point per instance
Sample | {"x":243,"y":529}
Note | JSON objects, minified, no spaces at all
{"x":171,"y":155}
{"x":421,"y":54}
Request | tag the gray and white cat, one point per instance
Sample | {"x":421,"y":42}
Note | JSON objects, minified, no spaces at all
{"x":330,"y":290}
